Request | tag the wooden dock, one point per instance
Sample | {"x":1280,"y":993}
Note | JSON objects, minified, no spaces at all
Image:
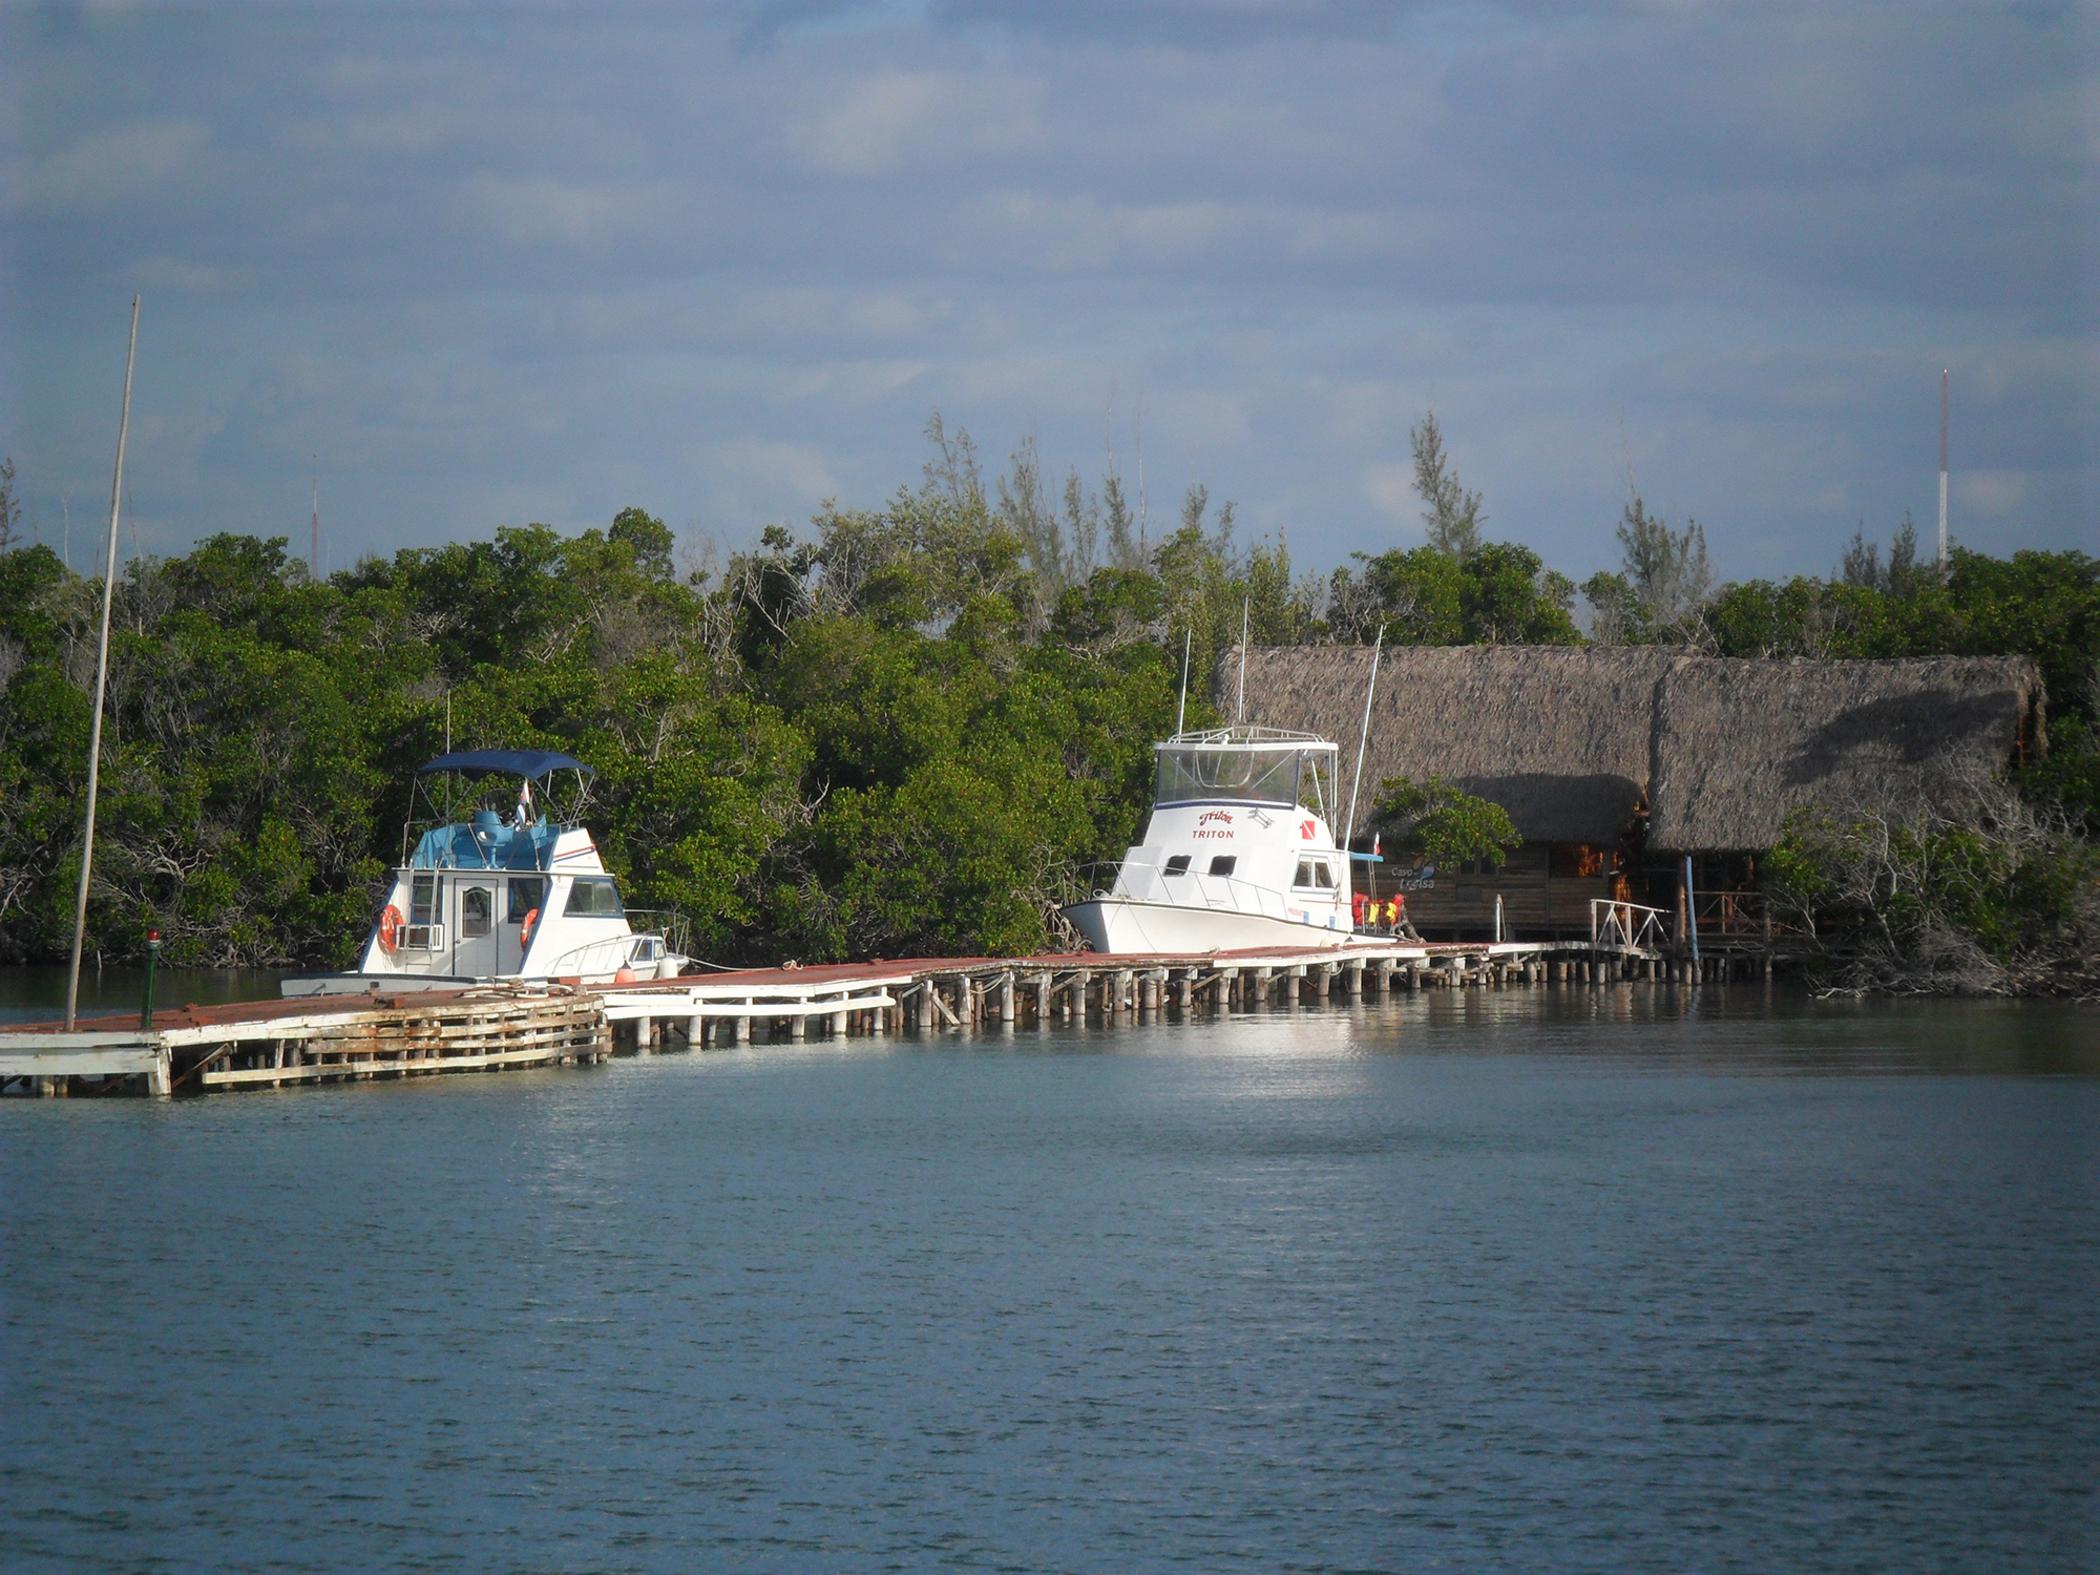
{"x":275,"y":1044}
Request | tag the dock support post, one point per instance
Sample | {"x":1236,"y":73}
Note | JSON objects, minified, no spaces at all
{"x":838,"y":1022}
{"x":1006,"y":999}
{"x":1260,"y":994}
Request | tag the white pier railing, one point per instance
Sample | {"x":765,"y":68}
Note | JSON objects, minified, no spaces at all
{"x":1628,"y":925}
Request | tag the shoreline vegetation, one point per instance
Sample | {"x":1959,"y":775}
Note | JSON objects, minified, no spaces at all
{"x":912,"y":728}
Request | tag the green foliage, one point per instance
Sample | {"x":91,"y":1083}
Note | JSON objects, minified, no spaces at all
{"x":1445,"y":823}
{"x":1999,"y":900}
{"x":1661,"y":586}
{"x":1498,"y":594}
{"x":1452,"y":518}
{"x":904,"y":729}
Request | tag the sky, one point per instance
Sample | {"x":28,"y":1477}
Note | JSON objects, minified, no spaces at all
{"x":472,"y":267}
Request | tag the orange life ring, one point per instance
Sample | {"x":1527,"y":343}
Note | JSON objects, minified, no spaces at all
{"x":525,"y":935}
{"x":390,"y":928}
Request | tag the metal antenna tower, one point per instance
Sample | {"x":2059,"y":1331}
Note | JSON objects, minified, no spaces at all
{"x":1943,"y":470}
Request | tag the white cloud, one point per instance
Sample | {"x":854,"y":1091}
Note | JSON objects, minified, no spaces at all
{"x":533,"y":209}
{"x":1991,"y":493}
{"x":139,"y":158}
{"x":887,"y":120}
{"x":868,"y":131}
{"x":1390,"y":488}
{"x":772,"y":468}
{"x":188,"y":278}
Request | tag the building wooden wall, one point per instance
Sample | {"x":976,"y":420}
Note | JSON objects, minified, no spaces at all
{"x":1536,"y":902}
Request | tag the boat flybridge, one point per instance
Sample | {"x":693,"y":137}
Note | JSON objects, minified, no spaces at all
{"x":1239,"y":851}
{"x":502,"y":883}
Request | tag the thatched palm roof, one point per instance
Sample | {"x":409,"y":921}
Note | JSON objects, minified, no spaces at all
{"x":1557,"y":736}
{"x":1573,"y":742}
{"x":1740,"y":742}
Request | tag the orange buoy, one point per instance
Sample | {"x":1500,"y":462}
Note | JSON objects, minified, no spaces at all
{"x":390,"y":928}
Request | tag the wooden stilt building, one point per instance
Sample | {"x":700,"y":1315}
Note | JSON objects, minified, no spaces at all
{"x":1620,"y":766}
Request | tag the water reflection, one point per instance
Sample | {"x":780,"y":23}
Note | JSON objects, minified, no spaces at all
{"x":28,"y":994}
{"x":1593,"y":1278}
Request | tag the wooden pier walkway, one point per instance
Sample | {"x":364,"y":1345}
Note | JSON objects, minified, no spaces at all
{"x":271,"y":1044}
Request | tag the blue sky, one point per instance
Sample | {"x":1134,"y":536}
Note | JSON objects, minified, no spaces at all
{"x":486,"y":266}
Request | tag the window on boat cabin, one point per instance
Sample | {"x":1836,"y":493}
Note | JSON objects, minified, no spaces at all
{"x":593,"y":897}
{"x":477,"y":908}
{"x":1199,"y":773}
{"x":1224,"y":864}
{"x":1316,"y":873}
{"x":422,"y":899}
{"x":525,"y":895}
{"x":1178,"y":864}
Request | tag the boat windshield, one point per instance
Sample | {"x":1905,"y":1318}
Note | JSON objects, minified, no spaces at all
{"x":1243,"y":776}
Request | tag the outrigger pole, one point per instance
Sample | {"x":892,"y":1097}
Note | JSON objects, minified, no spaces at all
{"x":1181,"y":712}
{"x":1363,"y":738}
{"x":1240,"y":713}
{"x":109,"y":580}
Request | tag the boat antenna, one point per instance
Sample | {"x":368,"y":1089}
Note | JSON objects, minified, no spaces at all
{"x":1363,"y":738}
{"x":1181,"y":711}
{"x":313,"y":554}
{"x":1240,"y":713}
{"x":109,"y":580}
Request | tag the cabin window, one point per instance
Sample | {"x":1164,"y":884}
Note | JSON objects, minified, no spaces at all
{"x":1315,"y":872}
{"x":1178,"y":864}
{"x":593,"y":897}
{"x":525,"y":895}
{"x":1224,"y":864}
{"x":477,"y":906}
{"x":422,"y":899}
{"x":1199,"y":773}
{"x":1575,"y":861}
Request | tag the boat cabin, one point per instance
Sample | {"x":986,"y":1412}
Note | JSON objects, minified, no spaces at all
{"x":503,"y":879}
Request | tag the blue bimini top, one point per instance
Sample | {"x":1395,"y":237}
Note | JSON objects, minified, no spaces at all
{"x":532,"y":764}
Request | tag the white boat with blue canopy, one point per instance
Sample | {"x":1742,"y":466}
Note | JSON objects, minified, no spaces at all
{"x":503,"y":882}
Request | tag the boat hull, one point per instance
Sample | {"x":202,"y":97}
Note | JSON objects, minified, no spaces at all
{"x":670,"y":966}
{"x":1120,"y":925}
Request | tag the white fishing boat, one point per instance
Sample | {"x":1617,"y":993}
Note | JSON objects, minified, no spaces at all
{"x":501,"y":884}
{"x":1239,"y":851}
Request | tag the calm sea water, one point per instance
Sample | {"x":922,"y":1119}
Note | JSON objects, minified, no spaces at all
{"x":39,"y":993}
{"x":1530,"y":1280}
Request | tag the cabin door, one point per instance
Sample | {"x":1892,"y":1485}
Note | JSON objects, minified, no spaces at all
{"x":474,"y":923}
